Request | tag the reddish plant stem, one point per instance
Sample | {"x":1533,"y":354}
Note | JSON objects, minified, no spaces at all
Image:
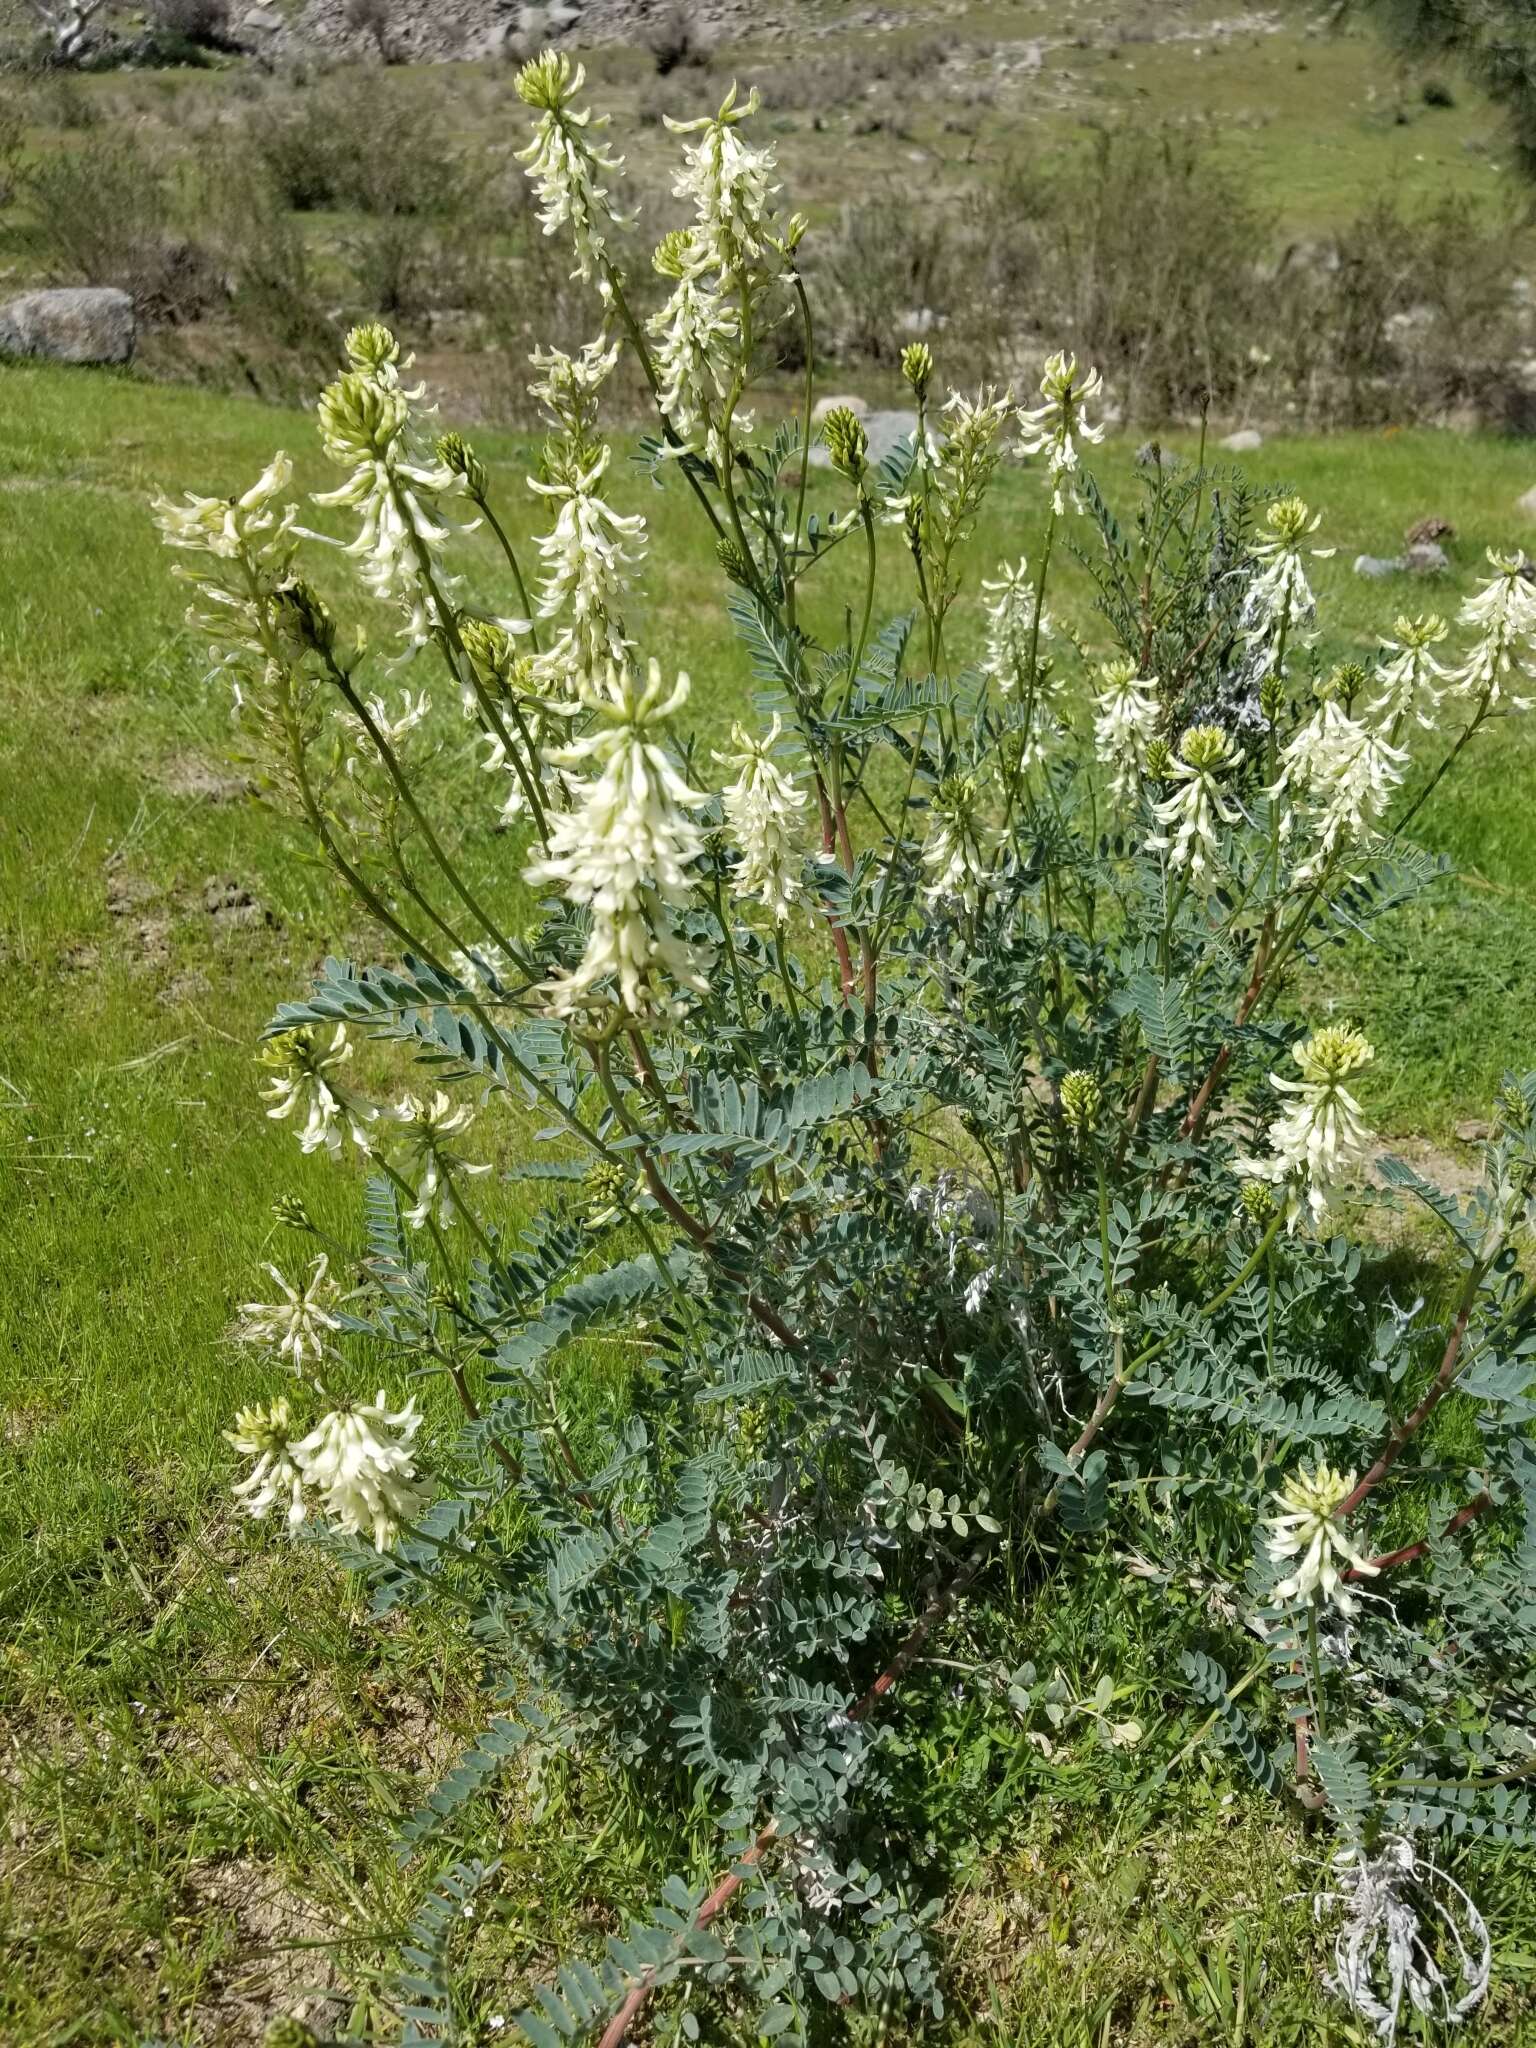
{"x":1479,"y":1506}
{"x":617,"y":2029}
{"x":704,"y":1238}
{"x":1406,"y":1430}
{"x":1303,"y":1752}
{"x":1198,"y":1109}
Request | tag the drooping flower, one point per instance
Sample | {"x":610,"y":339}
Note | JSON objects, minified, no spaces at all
{"x":1056,"y":426}
{"x":298,"y":1326}
{"x":959,"y":853}
{"x":1011,"y":636}
{"x":306,"y":1081}
{"x":367,"y":426}
{"x":1410,"y":679}
{"x":623,"y":848}
{"x":428,"y":1156}
{"x":565,"y":162}
{"x":728,"y":182}
{"x":393,"y":728}
{"x":696,"y":335}
{"x":267,"y":1435}
{"x":763,"y":807}
{"x":1322,"y":1139}
{"x":1279,"y":601}
{"x":1126,"y":725}
{"x":1190,"y":816}
{"x":360,"y":1460}
{"x":1345,"y":772}
{"x":587,"y":557}
{"x":567,"y":386}
{"x":1503,"y":613}
{"x":1308,"y":1532}
{"x":238,"y":543}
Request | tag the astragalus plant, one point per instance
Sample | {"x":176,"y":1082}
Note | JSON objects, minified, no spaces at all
{"x":930,"y":1106}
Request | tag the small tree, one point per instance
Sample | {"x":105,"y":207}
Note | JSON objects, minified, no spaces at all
{"x":375,"y":18}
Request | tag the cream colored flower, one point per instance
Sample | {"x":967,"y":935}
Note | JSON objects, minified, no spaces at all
{"x":728,"y":182}
{"x":267,"y":1435}
{"x":1127,"y":721}
{"x":565,"y":163}
{"x":1011,"y":626}
{"x":587,"y":558}
{"x":306,"y":1081}
{"x":1056,"y":426}
{"x":959,"y":853}
{"x":1280,"y":597}
{"x":1190,"y":816}
{"x":1322,"y":1139}
{"x":1503,"y":613}
{"x":427,"y":1154}
{"x":359,"y":1459}
{"x":624,"y":847}
{"x":1345,"y":774}
{"x":298,"y":1326}
{"x":763,"y":808}
{"x":1411,"y":679}
{"x":1308,"y":1532}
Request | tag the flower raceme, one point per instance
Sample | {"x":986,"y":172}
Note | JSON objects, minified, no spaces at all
{"x":358,"y":1458}
{"x":1308,"y":1533}
{"x":565,"y":162}
{"x":1056,"y":426}
{"x":298,"y":1328}
{"x":1189,"y":817}
{"x":623,"y":849}
{"x":1322,"y":1139}
{"x":1127,"y":723}
{"x":763,"y":808}
{"x":306,"y":1082}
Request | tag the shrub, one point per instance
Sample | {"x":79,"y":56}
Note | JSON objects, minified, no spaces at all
{"x":108,"y":213}
{"x":925,"y":1115}
{"x":677,"y":39}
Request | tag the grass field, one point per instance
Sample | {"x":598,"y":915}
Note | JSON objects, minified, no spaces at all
{"x":206,"y":1742}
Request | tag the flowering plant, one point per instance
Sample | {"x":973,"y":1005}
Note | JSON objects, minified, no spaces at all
{"x":916,"y":1106}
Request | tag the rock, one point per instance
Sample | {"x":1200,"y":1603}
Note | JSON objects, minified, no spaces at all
{"x":1526,"y":502}
{"x":1430,"y":528}
{"x":1377,"y":566}
{"x":262,"y":21}
{"x":1244,"y":441}
{"x":1426,"y":558}
{"x":855,"y":404}
{"x":80,"y":324}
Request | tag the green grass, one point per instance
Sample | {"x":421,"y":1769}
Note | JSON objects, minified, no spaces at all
{"x":208,"y":1743}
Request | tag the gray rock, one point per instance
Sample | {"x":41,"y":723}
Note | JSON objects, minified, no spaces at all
{"x":1426,"y":558}
{"x":851,"y":399}
{"x":80,"y":324}
{"x":262,"y":21}
{"x":1244,"y":441}
{"x":884,"y":429}
{"x":1377,"y":566}
{"x":1526,"y":502}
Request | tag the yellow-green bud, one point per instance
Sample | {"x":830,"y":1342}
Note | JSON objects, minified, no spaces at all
{"x":547,"y":82}
{"x":360,"y":418}
{"x":1338,"y":1049}
{"x":290,"y":2033}
{"x":917,"y":366}
{"x":846,"y":442}
{"x":795,"y":231}
{"x":1158,"y":760}
{"x":1258,"y":1200}
{"x":489,"y":648}
{"x":735,"y":564}
{"x":455,"y":453}
{"x":372,"y":347}
{"x":1345,"y":682}
{"x":1082,"y":1101}
{"x":672,"y":253}
{"x":606,"y":1191}
{"x":1204,"y":747}
{"x":1272,"y":695}
{"x":1290,"y":520}
{"x":290,"y":1211}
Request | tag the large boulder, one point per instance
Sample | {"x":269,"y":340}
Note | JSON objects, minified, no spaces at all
{"x":82,"y":324}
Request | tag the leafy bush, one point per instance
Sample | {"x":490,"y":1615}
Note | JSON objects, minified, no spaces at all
{"x":922,"y":1117}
